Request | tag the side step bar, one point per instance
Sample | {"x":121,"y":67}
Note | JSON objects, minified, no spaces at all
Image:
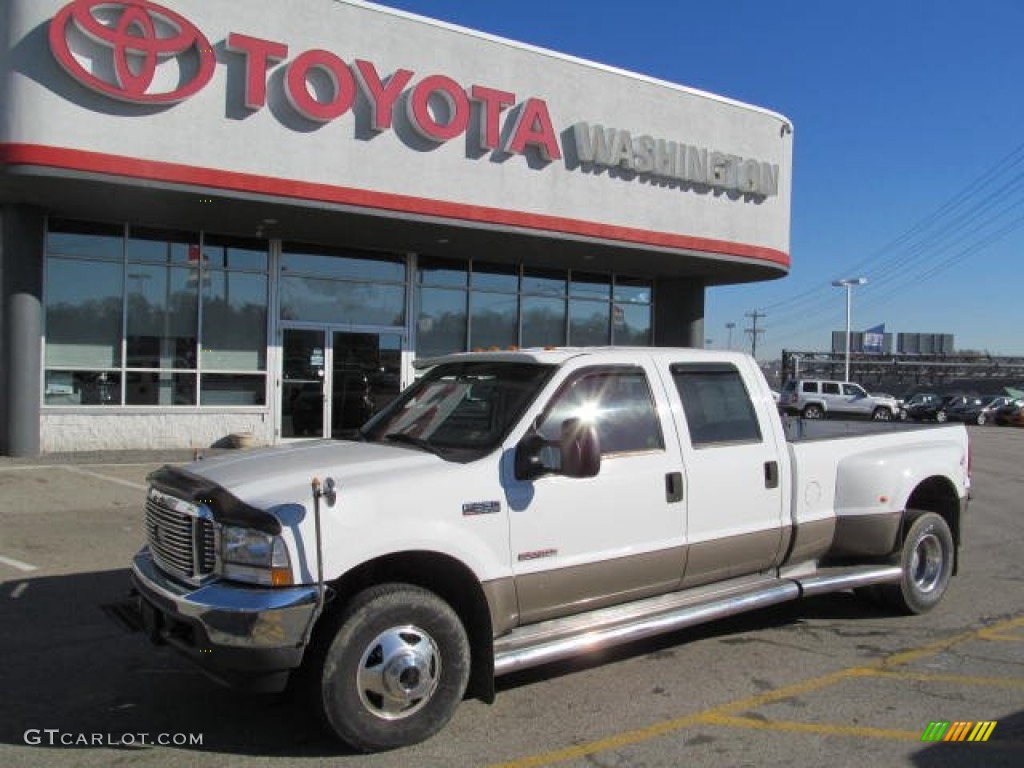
{"x":560,"y":639}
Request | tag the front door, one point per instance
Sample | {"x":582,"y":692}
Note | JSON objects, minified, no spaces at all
{"x":332,"y":381}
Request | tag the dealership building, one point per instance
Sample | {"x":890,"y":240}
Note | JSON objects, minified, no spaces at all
{"x":224,"y":218}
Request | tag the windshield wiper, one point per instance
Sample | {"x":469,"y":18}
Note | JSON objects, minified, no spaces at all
{"x":419,"y":442}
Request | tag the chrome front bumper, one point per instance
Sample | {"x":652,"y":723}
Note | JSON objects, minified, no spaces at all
{"x":241,"y":636}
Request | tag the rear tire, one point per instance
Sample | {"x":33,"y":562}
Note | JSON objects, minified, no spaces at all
{"x":926,"y":558}
{"x":941,"y":417}
{"x":981,"y":419}
{"x":395,"y":670}
{"x":813,"y":412}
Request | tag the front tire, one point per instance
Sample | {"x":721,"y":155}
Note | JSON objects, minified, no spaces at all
{"x":927,"y":562}
{"x":882,"y":414}
{"x":941,"y":417}
{"x":982,"y":418}
{"x":395,"y":671}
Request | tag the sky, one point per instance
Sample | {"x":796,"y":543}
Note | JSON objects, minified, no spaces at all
{"x":908,"y":147}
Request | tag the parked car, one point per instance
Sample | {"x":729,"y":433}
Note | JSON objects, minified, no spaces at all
{"x":817,"y":399}
{"x":926,"y":406}
{"x":978,"y":410}
{"x":1010,"y":414}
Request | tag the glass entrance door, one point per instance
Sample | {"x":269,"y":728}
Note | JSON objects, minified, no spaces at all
{"x":336,"y":378}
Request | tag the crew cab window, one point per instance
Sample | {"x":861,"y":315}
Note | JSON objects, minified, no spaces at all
{"x":854,"y":390}
{"x":829,"y":388}
{"x":809,"y":386}
{"x":716,"y":403}
{"x":617,"y":401}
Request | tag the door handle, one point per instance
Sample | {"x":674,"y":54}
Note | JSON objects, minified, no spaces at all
{"x":771,"y":474}
{"x":674,"y":487}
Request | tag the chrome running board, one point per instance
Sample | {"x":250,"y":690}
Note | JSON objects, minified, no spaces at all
{"x":560,"y":639}
{"x":848,"y":577}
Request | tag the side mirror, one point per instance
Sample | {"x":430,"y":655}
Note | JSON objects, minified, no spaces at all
{"x":529,"y":459}
{"x":580,"y":449}
{"x":577,"y":453}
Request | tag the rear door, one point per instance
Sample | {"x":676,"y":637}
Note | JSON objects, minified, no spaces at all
{"x":734,"y":483}
{"x":582,"y":543}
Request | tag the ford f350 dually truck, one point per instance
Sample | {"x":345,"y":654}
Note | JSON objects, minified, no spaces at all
{"x":511,"y":509}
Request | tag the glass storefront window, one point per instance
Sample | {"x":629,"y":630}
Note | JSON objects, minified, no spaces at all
{"x":105,"y":291}
{"x":82,"y":388}
{"x":234,"y":321}
{"x":583,"y":285}
{"x":360,"y":265}
{"x":543,"y":321}
{"x":233,"y":389}
{"x":441,"y":323}
{"x":159,"y":388}
{"x":85,"y":240}
{"x":442,"y":272}
{"x":314,"y":300}
{"x":493,"y":320}
{"x":631,"y":326}
{"x":589,"y":323}
{"x":633,"y":291}
{"x":162,"y":317}
{"x":83,"y":313}
{"x":543,"y":282}
{"x":163,"y":246}
{"x":543,"y":307}
{"x":234,"y":253}
{"x":495,"y":277}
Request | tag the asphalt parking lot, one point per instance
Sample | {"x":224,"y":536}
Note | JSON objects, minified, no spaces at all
{"x":829,"y":680}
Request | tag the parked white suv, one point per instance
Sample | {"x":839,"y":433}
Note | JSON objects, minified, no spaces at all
{"x":817,"y":398}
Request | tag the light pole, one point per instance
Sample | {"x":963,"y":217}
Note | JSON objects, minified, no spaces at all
{"x":848,"y":284}
{"x":730,"y":326}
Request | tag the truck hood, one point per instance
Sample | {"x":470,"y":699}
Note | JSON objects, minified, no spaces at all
{"x":267,"y":475}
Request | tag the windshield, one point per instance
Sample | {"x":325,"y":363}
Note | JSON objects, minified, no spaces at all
{"x":460,"y":411}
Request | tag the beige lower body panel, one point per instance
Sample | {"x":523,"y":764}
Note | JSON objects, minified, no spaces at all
{"x":565,"y":591}
{"x":812,"y":539}
{"x":720,"y":559}
{"x":866,"y":535}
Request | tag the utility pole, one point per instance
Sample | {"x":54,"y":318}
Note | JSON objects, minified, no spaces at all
{"x":730,"y":326}
{"x":754,"y":330}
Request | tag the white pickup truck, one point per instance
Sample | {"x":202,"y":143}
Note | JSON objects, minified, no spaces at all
{"x":511,"y":509}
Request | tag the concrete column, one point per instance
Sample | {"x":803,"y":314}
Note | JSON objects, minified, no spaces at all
{"x":21,"y":326}
{"x":678,"y":313}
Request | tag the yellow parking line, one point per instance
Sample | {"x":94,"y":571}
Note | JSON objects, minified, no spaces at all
{"x":999,"y":631}
{"x":725,"y":713}
{"x":929,"y":677}
{"x":827,"y":729}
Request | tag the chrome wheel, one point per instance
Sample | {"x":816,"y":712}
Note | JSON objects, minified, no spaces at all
{"x":398,"y":672}
{"x":927,"y":563}
{"x":389,"y":668}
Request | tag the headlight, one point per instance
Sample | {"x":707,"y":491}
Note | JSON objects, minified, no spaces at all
{"x":254,"y":556}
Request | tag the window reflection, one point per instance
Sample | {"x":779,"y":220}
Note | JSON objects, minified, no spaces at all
{"x":441,"y":324}
{"x":493,"y":320}
{"x":234,"y":321}
{"x":83,"y":313}
{"x":314,"y":300}
{"x":105,"y":291}
{"x":162,"y":317}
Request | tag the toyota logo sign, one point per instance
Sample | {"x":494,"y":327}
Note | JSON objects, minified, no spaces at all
{"x":128,"y":41}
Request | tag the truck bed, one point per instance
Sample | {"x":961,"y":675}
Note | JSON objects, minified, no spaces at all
{"x":799,"y":430}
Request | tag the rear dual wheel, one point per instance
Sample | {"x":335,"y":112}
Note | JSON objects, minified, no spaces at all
{"x":926,"y":559}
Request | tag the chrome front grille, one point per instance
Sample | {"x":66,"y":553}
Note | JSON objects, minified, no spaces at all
{"x":180,"y":537}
